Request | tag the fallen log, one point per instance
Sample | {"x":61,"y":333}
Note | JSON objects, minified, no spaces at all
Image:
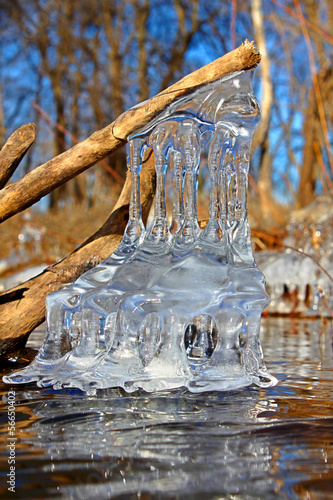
{"x":47,"y":177}
{"x":22,"y":308}
{"x":14,"y":150}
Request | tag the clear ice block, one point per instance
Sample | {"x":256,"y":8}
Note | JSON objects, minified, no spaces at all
{"x":176,"y":306}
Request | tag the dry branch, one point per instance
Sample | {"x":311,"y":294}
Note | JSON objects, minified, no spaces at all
{"x":45,"y":178}
{"x":22,"y":308}
{"x":13,"y":151}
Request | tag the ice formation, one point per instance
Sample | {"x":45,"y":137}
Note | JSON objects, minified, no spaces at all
{"x":172,"y":306}
{"x":296,"y":283}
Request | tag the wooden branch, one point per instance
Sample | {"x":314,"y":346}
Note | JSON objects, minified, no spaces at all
{"x":13,"y":151}
{"x":22,"y":309}
{"x":45,"y":178}
{"x":64,"y":131}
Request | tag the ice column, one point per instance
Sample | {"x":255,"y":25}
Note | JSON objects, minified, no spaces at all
{"x":135,"y":229}
{"x":159,"y":140}
{"x":176,"y":165}
{"x":188,"y":144}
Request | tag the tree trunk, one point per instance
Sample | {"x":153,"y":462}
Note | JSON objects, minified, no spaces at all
{"x":59,"y":147}
{"x":312,"y":132}
{"x":260,"y":138}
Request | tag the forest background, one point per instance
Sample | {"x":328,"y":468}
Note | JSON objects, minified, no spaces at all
{"x":73,"y":66}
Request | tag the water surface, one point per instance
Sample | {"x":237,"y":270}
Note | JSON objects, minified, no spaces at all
{"x":251,"y":443}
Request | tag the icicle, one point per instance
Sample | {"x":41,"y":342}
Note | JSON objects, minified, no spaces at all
{"x":176,"y":166}
{"x":188,"y":144}
{"x":160,"y":142}
{"x":226,"y":171}
{"x":135,"y":229}
{"x":220,"y":141}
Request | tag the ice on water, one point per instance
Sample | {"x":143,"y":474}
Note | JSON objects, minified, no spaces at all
{"x":175,"y":305}
{"x":297,"y":282}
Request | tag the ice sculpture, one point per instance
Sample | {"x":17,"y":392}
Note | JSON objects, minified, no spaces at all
{"x":172,"y":306}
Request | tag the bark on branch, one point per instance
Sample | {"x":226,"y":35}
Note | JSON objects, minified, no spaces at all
{"x":13,"y":151}
{"x":45,"y":178}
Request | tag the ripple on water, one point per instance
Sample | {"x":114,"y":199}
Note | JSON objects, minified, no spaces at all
{"x":274,"y":443}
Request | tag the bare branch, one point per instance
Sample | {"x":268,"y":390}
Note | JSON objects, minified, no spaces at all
{"x":14,"y":150}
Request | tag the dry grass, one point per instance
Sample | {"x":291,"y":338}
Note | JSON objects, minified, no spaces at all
{"x":61,"y":232}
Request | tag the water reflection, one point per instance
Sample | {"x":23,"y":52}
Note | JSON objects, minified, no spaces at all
{"x":254,"y":443}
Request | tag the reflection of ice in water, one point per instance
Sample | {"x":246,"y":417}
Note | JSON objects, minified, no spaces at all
{"x":165,"y":438}
{"x":176,"y":306}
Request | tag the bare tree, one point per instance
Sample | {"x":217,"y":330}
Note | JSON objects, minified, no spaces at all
{"x":97,"y":58}
{"x":261,"y":139}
